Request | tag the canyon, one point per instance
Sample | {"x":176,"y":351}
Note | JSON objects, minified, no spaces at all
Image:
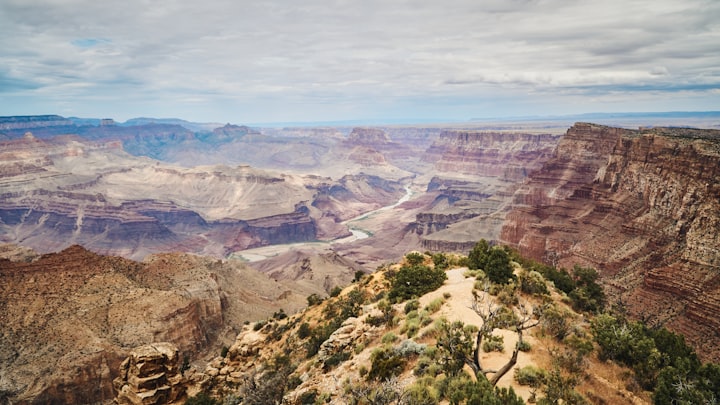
{"x":642,"y":206}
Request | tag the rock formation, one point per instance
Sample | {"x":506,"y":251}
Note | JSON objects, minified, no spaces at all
{"x":150,"y":375}
{"x":476,"y":173}
{"x":641,"y":206}
{"x":70,"y":318}
{"x":66,"y":191}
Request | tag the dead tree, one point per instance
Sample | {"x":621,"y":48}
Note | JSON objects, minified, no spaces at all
{"x":498,"y":316}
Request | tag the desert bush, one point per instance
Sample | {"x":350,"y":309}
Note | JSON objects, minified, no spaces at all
{"x":507,"y":295}
{"x":588,"y":295}
{"x":335,"y":291}
{"x":530,"y":375}
{"x":409,"y":347}
{"x":387,"y":317}
{"x":414,"y":258}
{"x":476,"y":273}
{"x":555,"y":323}
{"x":385,"y":364}
{"x":314,"y":299}
{"x":304,"y":330}
{"x":412,"y":305}
{"x":411,"y":326}
{"x":415,"y":281}
{"x":389,"y":338}
{"x":524,"y":346}
{"x":334,"y":360}
{"x":532,"y":282}
{"x":493,"y":343}
{"x":440,"y":261}
{"x":435,"y":305}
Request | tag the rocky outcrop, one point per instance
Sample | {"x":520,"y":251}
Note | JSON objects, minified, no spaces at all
{"x":641,"y":206}
{"x":368,"y":136}
{"x":150,"y":375}
{"x":70,"y":318}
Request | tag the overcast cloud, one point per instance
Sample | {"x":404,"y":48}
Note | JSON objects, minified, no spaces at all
{"x":292,"y":60}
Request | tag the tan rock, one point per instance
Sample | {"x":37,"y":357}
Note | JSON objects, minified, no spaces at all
{"x":150,"y":375}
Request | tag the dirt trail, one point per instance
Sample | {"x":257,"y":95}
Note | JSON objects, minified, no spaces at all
{"x":459,"y":308}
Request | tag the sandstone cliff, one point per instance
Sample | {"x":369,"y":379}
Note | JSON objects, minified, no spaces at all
{"x":641,"y":206}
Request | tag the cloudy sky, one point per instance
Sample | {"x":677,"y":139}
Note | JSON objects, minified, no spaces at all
{"x":248,"y":61}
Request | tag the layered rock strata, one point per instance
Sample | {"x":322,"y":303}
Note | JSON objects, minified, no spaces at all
{"x":63,"y":191}
{"x":641,"y":206}
{"x":476,"y":174}
{"x":150,"y":375}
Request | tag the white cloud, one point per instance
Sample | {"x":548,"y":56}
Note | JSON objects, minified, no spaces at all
{"x":249,"y":61}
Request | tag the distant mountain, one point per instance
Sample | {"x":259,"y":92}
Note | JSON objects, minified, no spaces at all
{"x":193,"y":126}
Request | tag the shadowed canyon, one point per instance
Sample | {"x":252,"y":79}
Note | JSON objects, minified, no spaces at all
{"x":121,"y":235}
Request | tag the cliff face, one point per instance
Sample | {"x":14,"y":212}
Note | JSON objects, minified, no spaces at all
{"x":507,"y":156}
{"x":642,"y":207}
{"x":476,"y":174}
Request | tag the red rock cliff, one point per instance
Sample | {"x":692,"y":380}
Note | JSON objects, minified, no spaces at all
{"x":643,"y":207}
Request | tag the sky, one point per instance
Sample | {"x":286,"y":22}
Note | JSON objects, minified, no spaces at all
{"x":247,"y":61}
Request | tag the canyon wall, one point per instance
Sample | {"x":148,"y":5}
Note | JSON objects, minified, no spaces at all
{"x":475,"y":175}
{"x":642,"y":207}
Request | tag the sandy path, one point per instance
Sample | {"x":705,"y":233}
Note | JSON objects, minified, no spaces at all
{"x":458,"y":308}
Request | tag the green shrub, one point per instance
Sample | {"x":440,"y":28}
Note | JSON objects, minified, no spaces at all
{"x":532,"y":282}
{"x":385,"y":364}
{"x":530,"y":375}
{"x":440,"y":261}
{"x":588,"y":295}
{"x":314,"y":299}
{"x":524,"y":346}
{"x":415,"y":281}
{"x":334,"y":360}
{"x":498,"y":267}
{"x":335,"y":291}
{"x":493,"y":343}
{"x":555,"y":323}
{"x":412,"y":305}
{"x":224,"y":351}
{"x":435,"y":305}
{"x":408,"y":347}
{"x":304,"y":330}
{"x":308,"y":397}
{"x":389,"y":338}
{"x":411,"y":326}
{"x":258,"y":325}
{"x":414,"y":258}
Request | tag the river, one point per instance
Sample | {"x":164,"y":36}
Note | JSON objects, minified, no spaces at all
{"x":265,"y":252}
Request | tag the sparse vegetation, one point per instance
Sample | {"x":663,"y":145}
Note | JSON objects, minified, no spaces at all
{"x":447,"y":363}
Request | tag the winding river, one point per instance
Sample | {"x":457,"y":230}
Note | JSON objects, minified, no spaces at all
{"x":265,"y":252}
